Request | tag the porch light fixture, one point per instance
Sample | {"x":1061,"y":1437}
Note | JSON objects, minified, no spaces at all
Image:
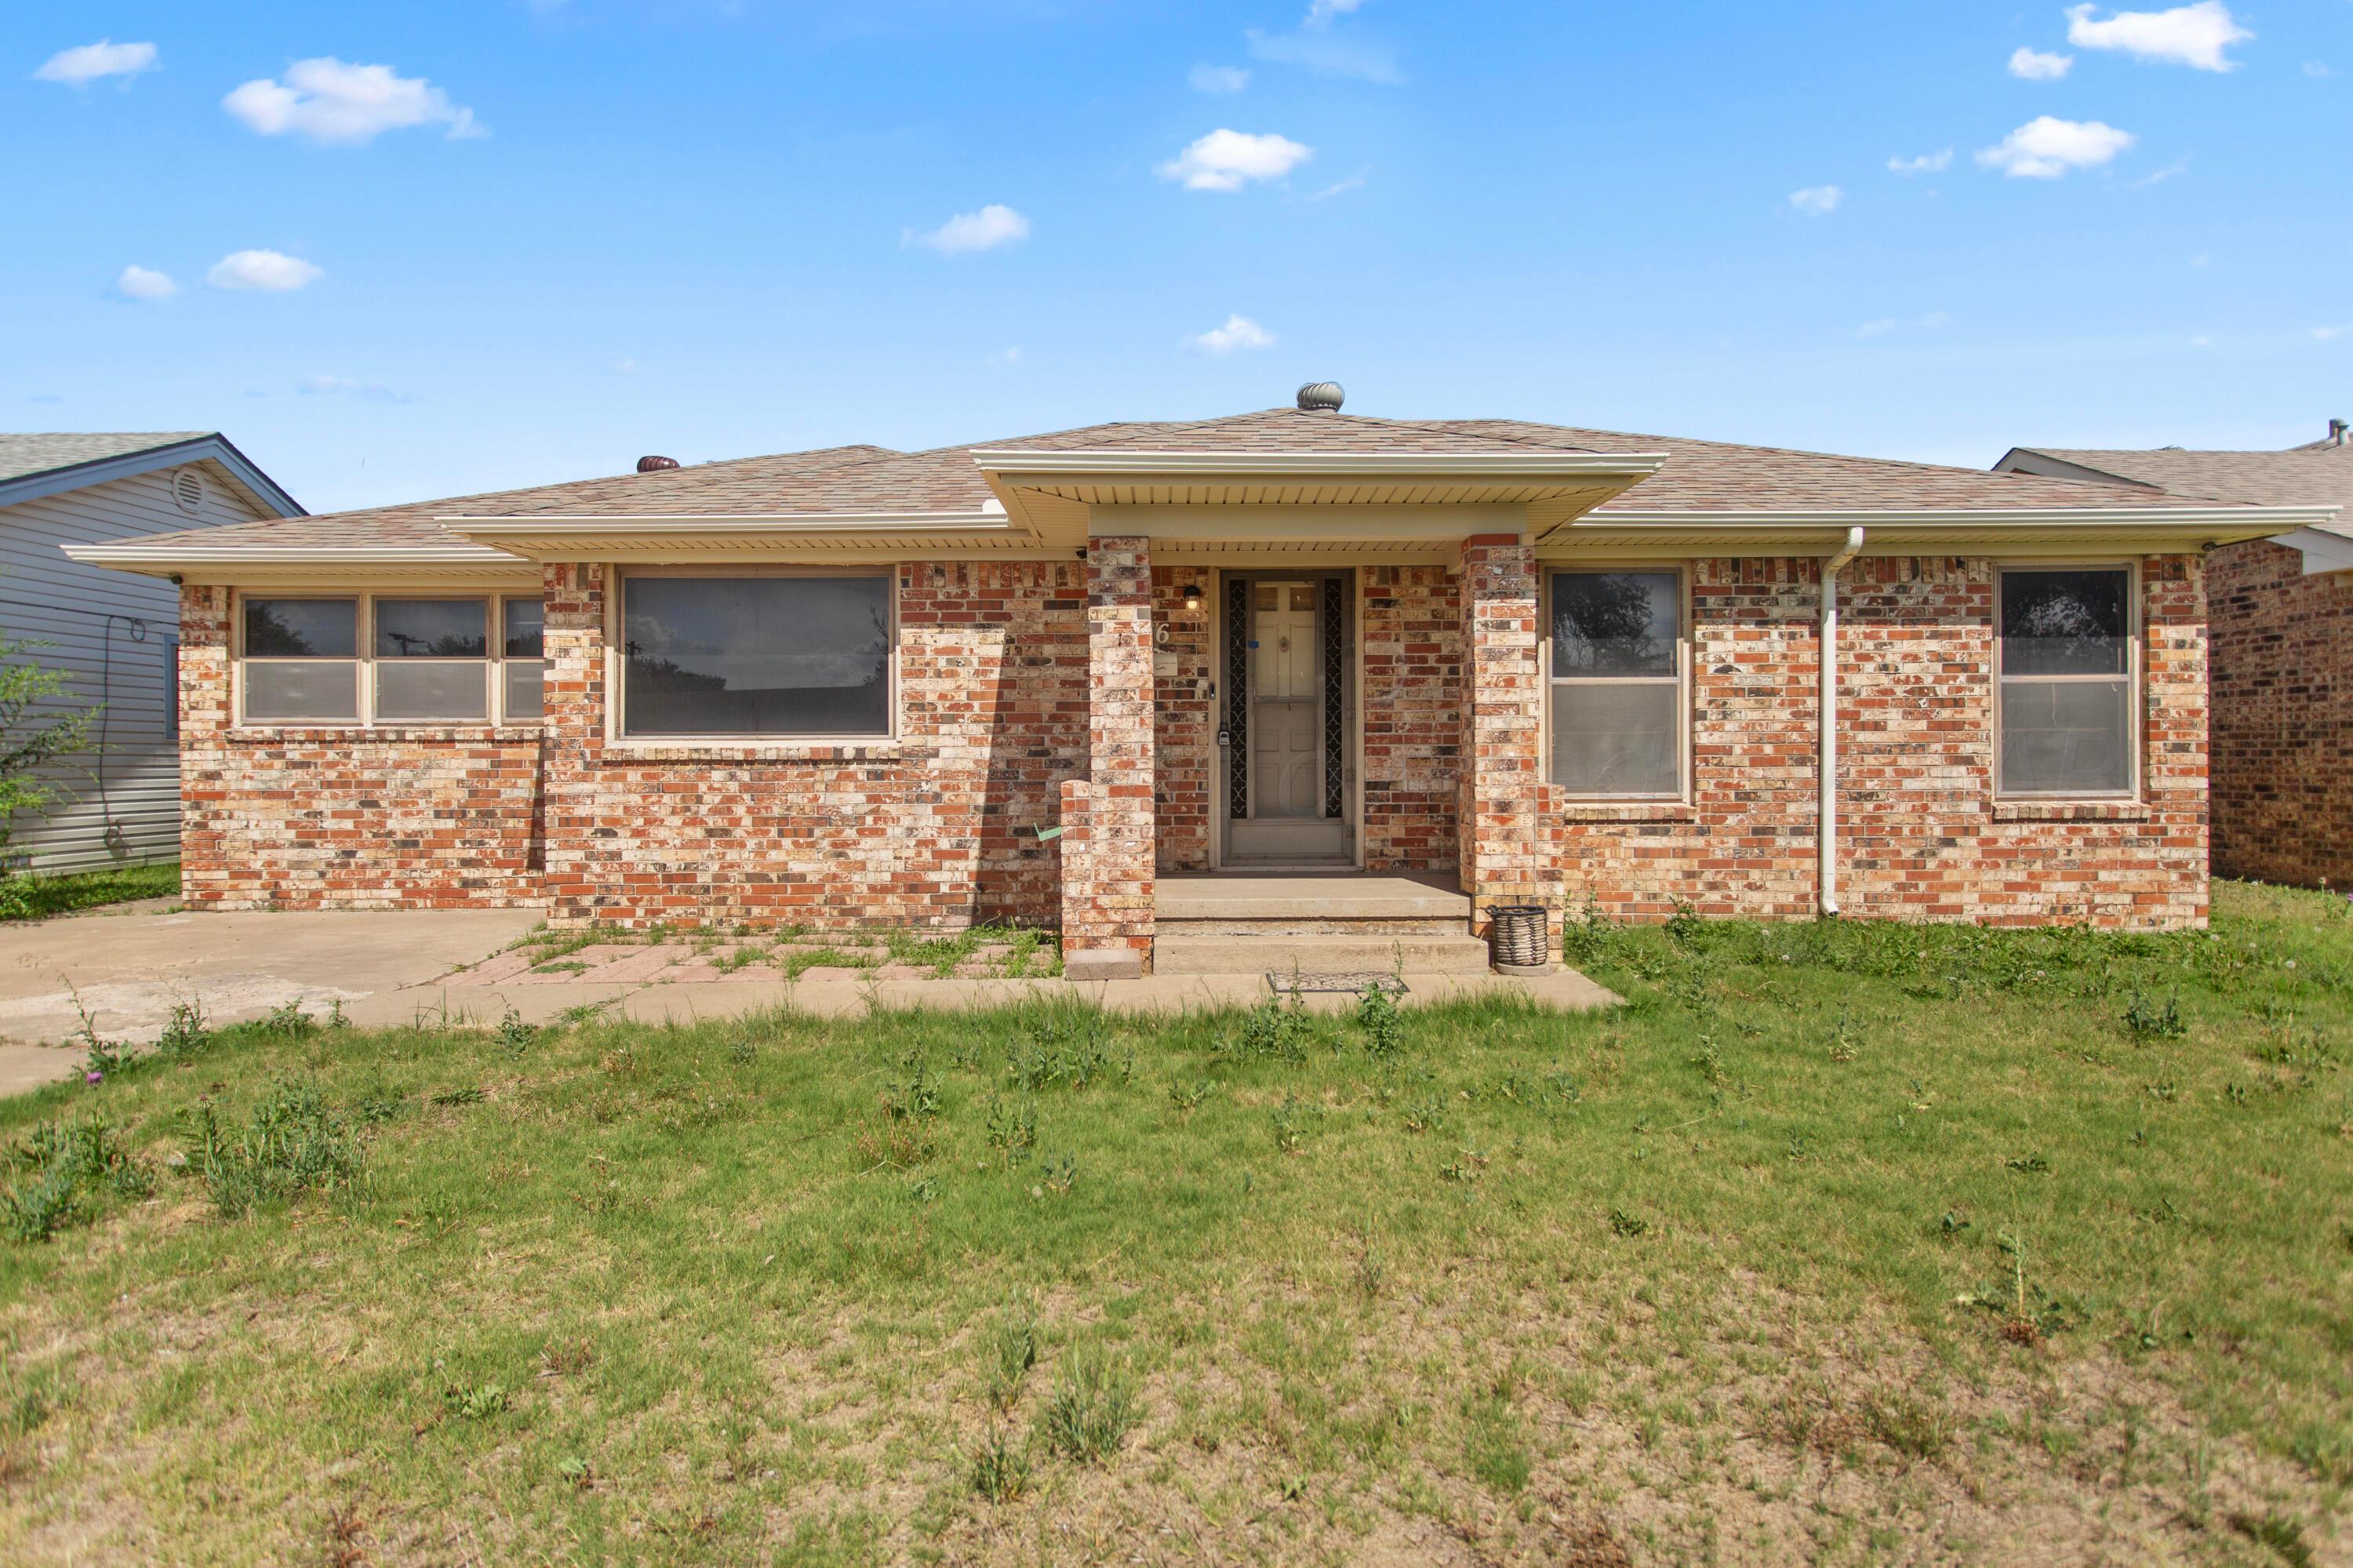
{"x":1192,"y":592}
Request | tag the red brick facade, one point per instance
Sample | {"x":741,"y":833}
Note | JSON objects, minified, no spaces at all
{"x":2283,"y":726}
{"x":1027,"y":696}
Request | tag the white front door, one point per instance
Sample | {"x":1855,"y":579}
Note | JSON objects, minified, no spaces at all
{"x":1288,"y":764}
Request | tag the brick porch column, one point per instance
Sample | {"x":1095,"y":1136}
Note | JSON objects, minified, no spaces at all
{"x":1502,"y":772}
{"x":1107,"y":875}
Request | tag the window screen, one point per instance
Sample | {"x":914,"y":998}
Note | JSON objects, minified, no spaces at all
{"x":302,"y":659}
{"x":524,"y":625}
{"x":763,"y":655}
{"x":2066,"y":683}
{"x":432,"y":659}
{"x":1617,"y":721}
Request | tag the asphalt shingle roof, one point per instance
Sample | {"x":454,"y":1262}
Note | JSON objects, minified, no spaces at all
{"x":1699,"y":476}
{"x":2316,"y":475}
{"x":41,"y":451}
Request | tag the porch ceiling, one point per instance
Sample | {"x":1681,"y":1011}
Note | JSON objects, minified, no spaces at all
{"x":1319,"y":498}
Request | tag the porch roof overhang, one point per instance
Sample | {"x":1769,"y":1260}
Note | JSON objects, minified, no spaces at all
{"x":1622,"y":533}
{"x":1255,"y":499}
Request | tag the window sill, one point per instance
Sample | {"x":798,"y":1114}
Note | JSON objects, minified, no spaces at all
{"x":878,"y":749}
{"x":2071,"y":810}
{"x":1624,"y":811}
{"x":325,"y":734}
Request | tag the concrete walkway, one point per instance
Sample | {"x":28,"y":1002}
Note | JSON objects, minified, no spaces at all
{"x":129,"y":971}
{"x":438,"y":966}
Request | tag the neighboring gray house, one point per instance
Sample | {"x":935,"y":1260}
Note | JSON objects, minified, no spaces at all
{"x":117,"y":637}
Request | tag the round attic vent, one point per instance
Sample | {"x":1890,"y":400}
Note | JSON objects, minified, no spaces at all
{"x":655,"y":465}
{"x":1322,"y":396}
{"x":187,"y":490}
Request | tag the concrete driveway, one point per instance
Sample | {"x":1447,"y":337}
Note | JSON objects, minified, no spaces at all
{"x":128,"y":970}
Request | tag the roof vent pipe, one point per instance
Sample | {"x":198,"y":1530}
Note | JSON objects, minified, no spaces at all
{"x":1828,"y":641}
{"x":655,"y":465}
{"x":1321,"y":397}
{"x":2336,"y":428}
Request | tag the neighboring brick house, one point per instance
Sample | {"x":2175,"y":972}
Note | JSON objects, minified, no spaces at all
{"x":1059,"y":679}
{"x":2281,"y":608}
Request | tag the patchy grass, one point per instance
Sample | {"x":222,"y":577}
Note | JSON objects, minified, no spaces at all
{"x":1839,"y":1242}
{"x":29,"y":896}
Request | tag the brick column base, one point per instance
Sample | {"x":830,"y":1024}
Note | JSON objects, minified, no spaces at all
{"x":1107,"y":875}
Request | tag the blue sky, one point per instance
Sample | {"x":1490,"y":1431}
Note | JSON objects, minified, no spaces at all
{"x":547,"y":237}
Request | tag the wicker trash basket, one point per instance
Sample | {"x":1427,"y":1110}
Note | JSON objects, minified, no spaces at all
{"x":1518,"y":939}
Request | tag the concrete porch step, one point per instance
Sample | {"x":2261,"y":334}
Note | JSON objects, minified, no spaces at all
{"x":1255,"y":954}
{"x":1313,"y":901}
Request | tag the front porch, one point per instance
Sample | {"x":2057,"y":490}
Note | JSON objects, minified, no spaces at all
{"x":1408,"y":803}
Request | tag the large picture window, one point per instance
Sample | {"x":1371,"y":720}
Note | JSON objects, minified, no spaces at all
{"x":2065,"y":682}
{"x":370,"y":659}
{"x":1617,"y":709}
{"x":755,"y":655}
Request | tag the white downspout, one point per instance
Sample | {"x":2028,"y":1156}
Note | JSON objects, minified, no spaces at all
{"x":1828,"y":835}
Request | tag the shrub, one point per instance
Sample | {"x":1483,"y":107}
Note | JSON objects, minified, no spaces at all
{"x":293,"y":1142}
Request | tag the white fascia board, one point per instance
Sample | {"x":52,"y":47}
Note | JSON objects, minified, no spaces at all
{"x":556,"y":525}
{"x":2220,"y":522}
{"x":163,"y":561}
{"x":1338,"y":465}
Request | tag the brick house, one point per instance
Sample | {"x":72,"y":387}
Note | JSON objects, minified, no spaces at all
{"x":1077,"y":678}
{"x":2281,"y":641}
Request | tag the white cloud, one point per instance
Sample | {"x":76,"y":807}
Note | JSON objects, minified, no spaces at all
{"x":86,"y":63}
{"x":269,"y":271}
{"x":1228,"y":160}
{"x":2158,"y":176}
{"x":2200,"y":261}
{"x":1320,"y":12}
{"x":2193,"y":35}
{"x":1816,"y":200}
{"x":1354,"y":181}
{"x":2318,"y":68}
{"x":138,"y":282}
{"x":1879,"y":328}
{"x":1218,"y":79}
{"x":2044,"y":148}
{"x":2033,"y":65}
{"x":327,"y":100}
{"x":1010,"y":356}
{"x":1240,"y":332}
{"x":2330,"y":334}
{"x":991,"y":227}
{"x":1925,"y":164}
{"x":625,"y":365}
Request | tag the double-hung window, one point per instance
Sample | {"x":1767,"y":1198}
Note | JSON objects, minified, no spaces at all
{"x":302,"y":659}
{"x":2068,"y":667}
{"x":755,"y":655}
{"x":1617,"y":710}
{"x":389,"y":659}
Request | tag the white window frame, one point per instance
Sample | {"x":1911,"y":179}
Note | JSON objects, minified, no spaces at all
{"x":617,"y":610}
{"x":363,"y":602}
{"x":1681,"y":680}
{"x":2135,"y":690}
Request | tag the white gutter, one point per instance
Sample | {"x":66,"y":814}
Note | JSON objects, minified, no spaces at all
{"x":1828,"y":640}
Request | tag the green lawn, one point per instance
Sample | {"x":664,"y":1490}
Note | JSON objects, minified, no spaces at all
{"x":1838,"y":1244}
{"x":31,"y":896}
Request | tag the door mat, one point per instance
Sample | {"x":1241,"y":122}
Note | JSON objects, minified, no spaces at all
{"x":1301,"y":982}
